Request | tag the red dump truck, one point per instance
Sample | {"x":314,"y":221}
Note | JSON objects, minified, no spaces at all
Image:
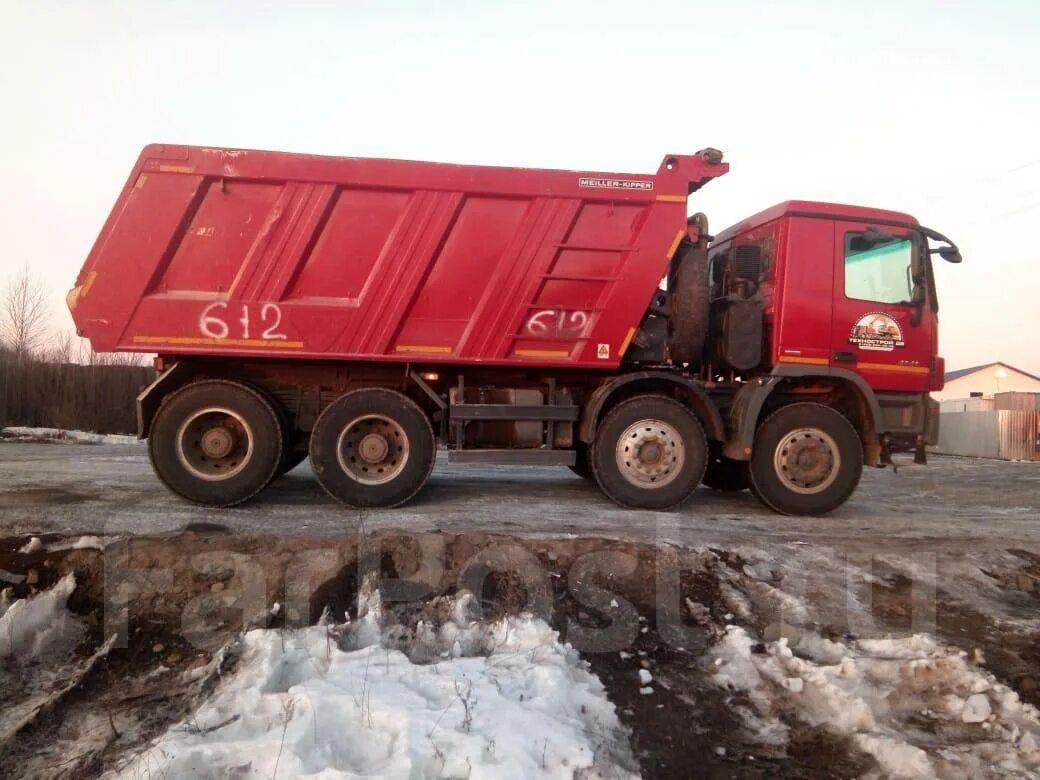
{"x":365,"y":311}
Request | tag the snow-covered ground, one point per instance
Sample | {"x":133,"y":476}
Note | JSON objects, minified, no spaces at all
{"x":376,"y":698}
{"x":38,"y":637}
{"x":920,"y":708}
{"x":22,"y":433}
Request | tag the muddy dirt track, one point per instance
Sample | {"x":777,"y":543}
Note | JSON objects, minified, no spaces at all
{"x":951,"y":550}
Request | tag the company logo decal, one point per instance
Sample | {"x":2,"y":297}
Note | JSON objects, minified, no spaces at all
{"x":616,"y":184}
{"x":877,"y":332}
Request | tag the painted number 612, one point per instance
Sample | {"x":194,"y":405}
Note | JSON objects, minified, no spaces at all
{"x":213,"y":322}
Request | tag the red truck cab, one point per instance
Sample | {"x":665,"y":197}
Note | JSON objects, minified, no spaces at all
{"x":847,"y":293}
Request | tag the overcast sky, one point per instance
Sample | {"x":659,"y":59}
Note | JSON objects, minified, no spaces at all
{"x":925,"y":106}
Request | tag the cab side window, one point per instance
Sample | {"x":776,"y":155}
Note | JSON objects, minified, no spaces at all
{"x":878,"y":269}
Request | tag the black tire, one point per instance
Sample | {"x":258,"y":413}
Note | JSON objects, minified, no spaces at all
{"x":581,"y":466}
{"x":187,"y":443}
{"x":672,"y":485}
{"x":688,"y":322}
{"x":826,"y":474}
{"x":726,"y":475}
{"x":404,"y":444}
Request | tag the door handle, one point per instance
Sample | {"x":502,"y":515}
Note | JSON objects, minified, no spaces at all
{"x":844,"y":357}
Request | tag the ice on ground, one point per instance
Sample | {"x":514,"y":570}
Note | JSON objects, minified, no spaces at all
{"x":82,"y":543}
{"x":39,"y":627}
{"x":459,"y":699}
{"x":920,"y":708}
{"x":34,"y":545}
{"x":24,"y":433}
{"x":38,"y":636}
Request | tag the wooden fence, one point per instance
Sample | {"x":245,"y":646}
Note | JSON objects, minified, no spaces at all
{"x":98,"y":396}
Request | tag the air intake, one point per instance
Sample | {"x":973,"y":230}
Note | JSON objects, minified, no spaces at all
{"x":747,"y":262}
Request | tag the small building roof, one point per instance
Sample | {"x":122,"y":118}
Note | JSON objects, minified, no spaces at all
{"x":951,"y":375}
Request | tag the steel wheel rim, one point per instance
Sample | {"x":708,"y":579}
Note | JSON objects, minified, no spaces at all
{"x":807,"y":460}
{"x":650,"y":454}
{"x":214,"y":444}
{"x":372,"y":449}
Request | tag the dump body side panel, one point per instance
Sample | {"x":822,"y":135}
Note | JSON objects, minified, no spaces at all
{"x":236,"y":253}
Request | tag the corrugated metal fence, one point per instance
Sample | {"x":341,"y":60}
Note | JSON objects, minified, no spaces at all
{"x":1019,"y":435}
{"x":1004,"y":434}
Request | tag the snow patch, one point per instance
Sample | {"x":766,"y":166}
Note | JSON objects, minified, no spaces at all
{"x":920,"y":708}
{"x":39,"y":627}
{"x":23,"y":433}
{"x":34,"y":545}
{"x":459,"y":699}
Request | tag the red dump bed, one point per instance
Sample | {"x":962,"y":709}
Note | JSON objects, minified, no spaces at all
{"x":234,"y":253}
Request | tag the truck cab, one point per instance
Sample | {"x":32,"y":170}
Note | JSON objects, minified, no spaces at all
{"x":847,"y":304}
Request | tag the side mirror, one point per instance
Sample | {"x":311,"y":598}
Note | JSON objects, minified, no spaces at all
{"x":950,"y":254}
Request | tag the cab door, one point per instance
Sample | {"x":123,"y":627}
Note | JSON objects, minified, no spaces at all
{"x":883,"y":327}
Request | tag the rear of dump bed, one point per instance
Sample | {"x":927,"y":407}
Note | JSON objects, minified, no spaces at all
{"x":237,"y":253}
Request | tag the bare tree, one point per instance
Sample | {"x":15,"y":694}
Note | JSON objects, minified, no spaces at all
{"x":24,"y":313}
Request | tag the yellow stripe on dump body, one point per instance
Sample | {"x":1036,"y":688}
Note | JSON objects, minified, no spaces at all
{"x":441,"y":349}
{"x":202,"y":341}
{"x":559,"y":353}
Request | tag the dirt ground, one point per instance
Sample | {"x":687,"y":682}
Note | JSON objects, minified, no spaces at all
{"x":951,"y":550}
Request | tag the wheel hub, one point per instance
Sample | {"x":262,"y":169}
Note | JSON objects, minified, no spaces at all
{"x":650,"y":453}
{"x":807,"y":460}
{"x":214,"y":443}
{"x":373,"y":449}
{"x":217,"y":442}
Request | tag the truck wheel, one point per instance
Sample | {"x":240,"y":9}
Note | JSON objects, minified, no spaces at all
{"x":372,"y":448}
{"x":807,"y":460}
{"x":215,"y":442}
{"x":649,"y":453}
{"x":726,"y":474}
{"x":581,"y":466}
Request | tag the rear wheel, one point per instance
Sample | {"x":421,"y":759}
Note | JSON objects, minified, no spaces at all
{"x":372,"y":448}
{"x":807,"y":460}
{"x":649,"y":453}
{"x":216,"y":442}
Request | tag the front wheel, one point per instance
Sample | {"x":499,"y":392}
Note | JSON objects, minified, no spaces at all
{"x":807,"y":460}
{"x":649,"y":453}
{"x":372,"y":448}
